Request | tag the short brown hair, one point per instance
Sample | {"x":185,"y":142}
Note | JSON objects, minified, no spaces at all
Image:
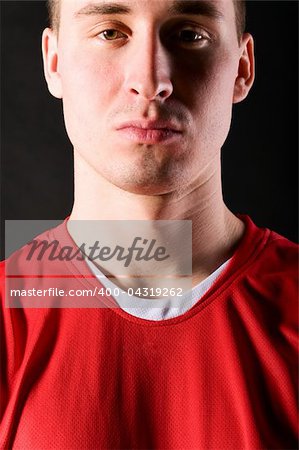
{"x":54,"y":13}
{"x":240,"y":9}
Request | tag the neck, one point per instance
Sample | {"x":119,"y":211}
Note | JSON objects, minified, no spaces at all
{"x":215,"y":230}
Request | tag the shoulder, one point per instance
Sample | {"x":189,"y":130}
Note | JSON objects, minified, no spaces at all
{"x":36,"y":257}
{"x":271,"y":281}
{"x":30,"y":267}
{"x":265,"y":252}
{"x":267,"y":273}
{"x":279,"y":257}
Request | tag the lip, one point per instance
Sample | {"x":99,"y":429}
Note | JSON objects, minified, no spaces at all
{"x":149,"y":132}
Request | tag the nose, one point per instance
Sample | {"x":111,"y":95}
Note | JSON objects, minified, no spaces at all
{"x":148,"y":73}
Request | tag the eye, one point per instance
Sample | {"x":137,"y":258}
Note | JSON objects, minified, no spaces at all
{"x":111,"y":35}
{"x":190,"y":36}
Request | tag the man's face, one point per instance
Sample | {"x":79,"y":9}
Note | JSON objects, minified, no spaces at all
{"x":147,"y":87}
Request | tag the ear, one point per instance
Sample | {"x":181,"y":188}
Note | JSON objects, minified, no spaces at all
{"x":50,"y":58}
{"x":246,"y":71}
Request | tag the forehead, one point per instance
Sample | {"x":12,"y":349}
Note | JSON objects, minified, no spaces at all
{"x":217,"y":9}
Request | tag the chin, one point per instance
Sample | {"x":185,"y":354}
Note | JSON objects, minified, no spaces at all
{"x":146,"y":171}
{"x":143,"y":182}
{"x":150,"y":190}
{"x":145,"y":186}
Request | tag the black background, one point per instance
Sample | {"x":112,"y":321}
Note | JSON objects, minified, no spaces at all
{"x":259,"y":157}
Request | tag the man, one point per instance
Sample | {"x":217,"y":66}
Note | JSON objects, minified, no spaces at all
{"x":147,"y":90}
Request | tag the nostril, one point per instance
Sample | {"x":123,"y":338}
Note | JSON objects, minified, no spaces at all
{"x":151,"y":93}
{"x":134,"y":91}
{"x":163,"y":94}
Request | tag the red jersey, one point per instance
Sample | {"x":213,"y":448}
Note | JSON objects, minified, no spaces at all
{"x":223,"y":375}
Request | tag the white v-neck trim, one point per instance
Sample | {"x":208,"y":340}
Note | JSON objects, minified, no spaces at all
{"x":160,"y":309}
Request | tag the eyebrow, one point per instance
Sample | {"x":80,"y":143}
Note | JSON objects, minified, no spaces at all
{"x":103,"y":9}
{"x":196,"y":7}
{"x":188,"y":7}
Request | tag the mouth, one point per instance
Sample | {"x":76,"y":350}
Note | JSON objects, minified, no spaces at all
{"x":153,"y":132}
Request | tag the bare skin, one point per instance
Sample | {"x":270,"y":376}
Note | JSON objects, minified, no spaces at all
{"x":182,"y":71}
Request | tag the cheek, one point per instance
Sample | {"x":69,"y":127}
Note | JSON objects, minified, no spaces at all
{"x":89,"y":87}
{"x":215,"y":85}
{"x":208,"y":95}
{"x":212,"y":76}
{"x":88,"y":81}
